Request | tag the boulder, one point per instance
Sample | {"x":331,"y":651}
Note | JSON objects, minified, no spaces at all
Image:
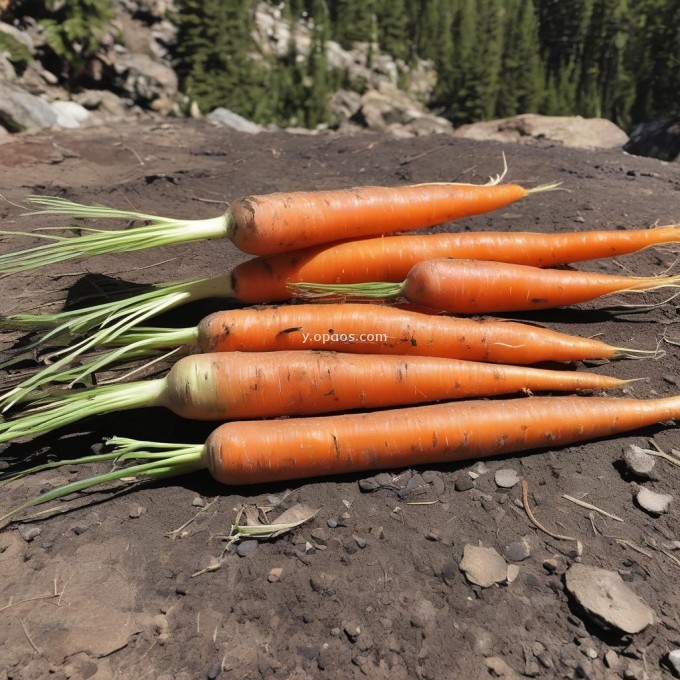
{"x":387,"y":109}
{"x":144,"y":78}
{"x":70,"y":114}
{"x":657,"y":139}
{"x":21,"y":111}
{"x":223,"y":116}
{"x":572,"y":131}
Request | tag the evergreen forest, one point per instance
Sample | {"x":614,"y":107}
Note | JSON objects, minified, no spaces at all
{"x":618,"y":59}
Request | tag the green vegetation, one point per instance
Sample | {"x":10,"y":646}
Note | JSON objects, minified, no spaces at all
{"x":73,"y":30}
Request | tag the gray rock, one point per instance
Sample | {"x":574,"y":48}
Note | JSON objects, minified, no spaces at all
{"x":572,"y":131}
{"x":198,"y":502}
{"x":424,"y":615}
{"x":480,"y":468}
{"x":20,"y":111}
{"x":611,"y":660}
{"x":506,"y":478}
{"x":638,"y":462}
{"x":70,"y":114}
{"x":28,"y":532}
{"x":332,"y":523}
{"x":223,"y":116}
{"x":145,"y":79}
{"x":246,"y":547}
{"x":320,"y":536}
{"x":517,"y":551}
{"x":674,"y":661}
{"x":483,"y":566}
{"x":352,"y":630}
{"x":463,"y":483}
{"x":513,"y":573}
{"x":361,"y":542}
{"x":607,"y":600}
{"x":654,"y":503}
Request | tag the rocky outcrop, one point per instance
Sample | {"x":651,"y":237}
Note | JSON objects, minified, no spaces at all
{"x":394,"y":93}
{"x":134,"y":76}
{"x":573,"y":131}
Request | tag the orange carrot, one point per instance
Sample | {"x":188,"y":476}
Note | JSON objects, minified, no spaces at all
{"x":480,"y":287}
{"x":255,"y":452}
{"x":258,"y":452}
{"x":274,"y":223}
{"x":236,"y":386}
{"x":380,"y":329}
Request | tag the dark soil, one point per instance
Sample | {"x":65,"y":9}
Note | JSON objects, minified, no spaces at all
{"x":380,"y":594}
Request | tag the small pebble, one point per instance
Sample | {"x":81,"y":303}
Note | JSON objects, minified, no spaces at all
{"x":611,"y":660}
{"x":550,"y":565}
{"x":506,"y":478}
{"x":638,"y":462}
{"x":517,"y":551}
{"x":215,"y":670}
{"x":513,"y":572}
{"x":433,"y":535}
{"x":198,"y":502}
{"x":674,"y":661}
{"x":361,"y":542}
{"x":275,"y":574}
{"x":78,"y":529}
{"x":137,"y":512}
{"x":28,"y":532}
{"x":591,"y":653}
{"x":654,"y":503}
{"x":352,"y":630}
{"x":463,"y":483}
{"x":181,"y":589}
{"x":332,"y":523}
{"x":246,"y":547}
{"x":480,"y":468}
{"x":320,"y":536}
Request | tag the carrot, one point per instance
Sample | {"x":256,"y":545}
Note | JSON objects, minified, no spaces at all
{"x":274,"y":223}
{"x":235,"y":386}
{"x":353,"y":328}
{"x":257,"y":452}
{"x":479,"y":287}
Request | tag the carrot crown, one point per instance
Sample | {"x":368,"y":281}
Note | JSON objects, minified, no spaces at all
{"x":158,"y":231}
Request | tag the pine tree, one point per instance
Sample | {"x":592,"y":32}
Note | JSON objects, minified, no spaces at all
{"x":351,"y":21}
{"x":214,"y":55}
{"x":393,"y":28}
{"x":73,"y":31}
{"x":521,"y":84}
{"x":317,"y":67}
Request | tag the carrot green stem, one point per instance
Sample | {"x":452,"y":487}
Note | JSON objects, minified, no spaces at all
{"x":382,"y":291}
{"x":111,"y":320}
{"x":51,"y":413}
{"x":167,"y":460}
{"x":159,"y":231}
